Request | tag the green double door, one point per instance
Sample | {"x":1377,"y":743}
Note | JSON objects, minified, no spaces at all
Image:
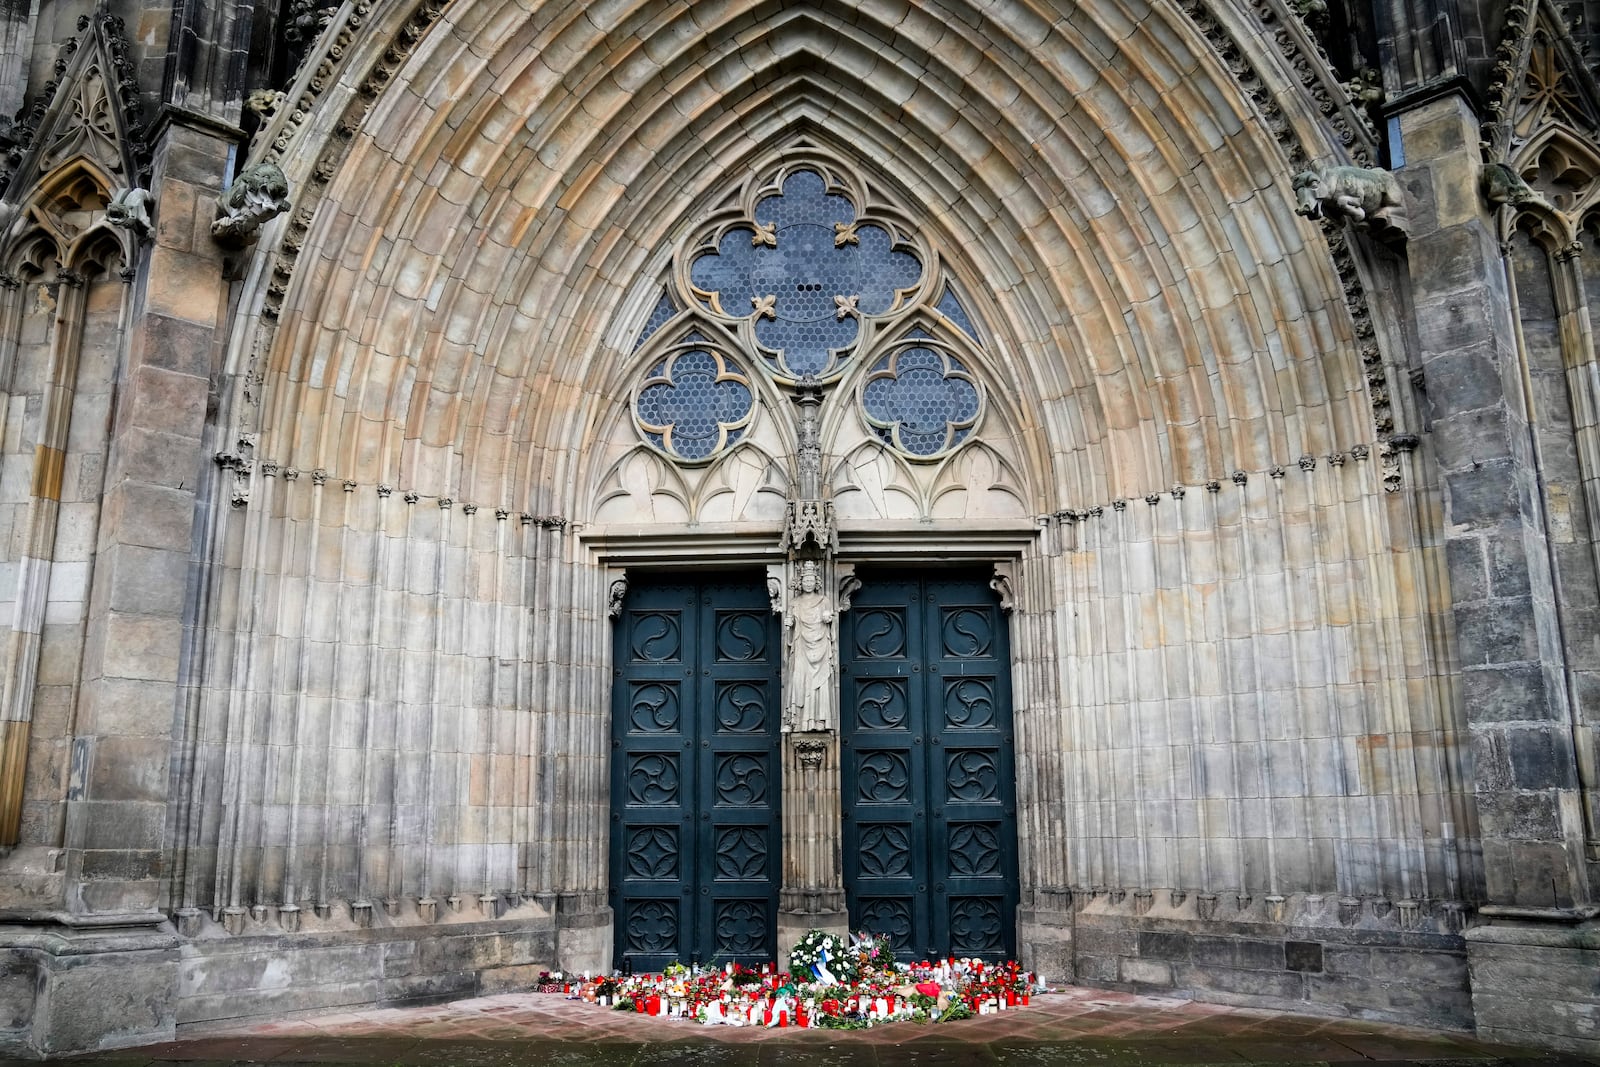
{"x":929,"y":803}
{"x":927,"y":794}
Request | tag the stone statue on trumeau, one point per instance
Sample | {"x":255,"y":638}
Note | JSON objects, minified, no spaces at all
{"x":810,"y":680}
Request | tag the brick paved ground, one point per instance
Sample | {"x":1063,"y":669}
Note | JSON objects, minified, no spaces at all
{"x":1077,"y":1027}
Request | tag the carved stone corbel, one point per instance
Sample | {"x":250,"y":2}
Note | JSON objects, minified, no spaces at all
{"x":775,"y":576}
{"x":618,"y":593}
{"x":810,"y":751}
{"x":849,"y":584}
{"x":1368,"y":196}
{"x":1003,"y":584}
{"x":1501,"y":185}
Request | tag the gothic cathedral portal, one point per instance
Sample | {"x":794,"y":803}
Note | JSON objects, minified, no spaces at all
{"x":810,"y":398}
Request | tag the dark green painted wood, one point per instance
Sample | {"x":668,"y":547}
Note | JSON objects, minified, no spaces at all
{"x":930,"y":853}
{"x":695,"y":787}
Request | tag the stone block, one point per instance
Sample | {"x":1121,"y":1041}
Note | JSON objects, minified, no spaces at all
{"x":1463,"y":379}
{"x":183,"y":286}
{"x":155,"y":457}
{"x":1164,"y":944}
{"x":1245,"y":953}
{"x":141,"y":646}
{"x":1541,"y":758}
{"x":1275,"y":985}
{"x":1453,"y":259}
{"x":18,"y":977}
{"x":1303,"y":956}
{"x":1505,"y":693}
{"x":106,"y":1000}
{"x":146,"y":581}
{"x":510,"y":979}
{"x":1100,"y":940}
{"x":1147,"y":972}
{"x":1454,"y":323}
{"x":1393,"y":998}
{"x":128,"y":768}
{"x":105,"y":896}
{"x":1520,"y":817}
{"x":114,"y":824}
{"x":1498,"y":631}
{"x":1097,"y":969}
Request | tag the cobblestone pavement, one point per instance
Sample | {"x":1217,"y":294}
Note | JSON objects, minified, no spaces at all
{"x":1075,"y":1027}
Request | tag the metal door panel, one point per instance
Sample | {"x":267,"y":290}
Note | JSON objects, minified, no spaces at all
{"x":695,"y":790}
{"x":929,"y":836}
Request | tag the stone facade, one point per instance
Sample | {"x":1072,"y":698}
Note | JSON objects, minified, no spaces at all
{"x":1260,"y":338}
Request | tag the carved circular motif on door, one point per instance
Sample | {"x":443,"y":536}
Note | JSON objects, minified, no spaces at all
{"x":652,"y":926}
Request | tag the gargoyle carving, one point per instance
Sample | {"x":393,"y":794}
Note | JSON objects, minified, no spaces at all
{"x":1367,"y":196}
{"x":130,"y":210}
{"x":259,"y":194}
{"x":1501,"y":184}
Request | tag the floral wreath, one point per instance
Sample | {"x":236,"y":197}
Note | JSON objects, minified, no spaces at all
{"x":823,"y":957}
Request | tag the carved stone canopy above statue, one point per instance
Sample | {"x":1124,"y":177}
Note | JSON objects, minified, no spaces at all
{"x":89,"y":113}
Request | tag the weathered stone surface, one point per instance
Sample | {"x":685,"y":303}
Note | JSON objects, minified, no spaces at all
{"x":309,"y":546}
{"x":1537,"y":983}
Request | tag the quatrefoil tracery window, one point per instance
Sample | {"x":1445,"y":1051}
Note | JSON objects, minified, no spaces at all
{"x":806,"y":280}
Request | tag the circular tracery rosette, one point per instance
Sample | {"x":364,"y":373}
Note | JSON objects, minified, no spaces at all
{"x":920,"y":400}
{"x":804,"y":268}
{"x":694,"y":403}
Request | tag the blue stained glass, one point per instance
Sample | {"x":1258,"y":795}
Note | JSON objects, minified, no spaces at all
{"x":807,"y":276}
{"x":663,"y":312}
{"x":921,"y":401}
{"x":694,"y":404}
{"x":951,"y":308}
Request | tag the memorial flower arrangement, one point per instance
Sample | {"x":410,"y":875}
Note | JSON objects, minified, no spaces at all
{"x":828,"y":958}
{"x":834,"y":981}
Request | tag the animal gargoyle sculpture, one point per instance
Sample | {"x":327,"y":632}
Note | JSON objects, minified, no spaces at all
{"x":1368,"y":196}
{"x":258,"y":194}
{"x":130,"y":210}
{"x":1501,"y":184}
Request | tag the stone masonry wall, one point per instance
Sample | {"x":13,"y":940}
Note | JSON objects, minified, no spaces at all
{"x":1241,"y":687}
